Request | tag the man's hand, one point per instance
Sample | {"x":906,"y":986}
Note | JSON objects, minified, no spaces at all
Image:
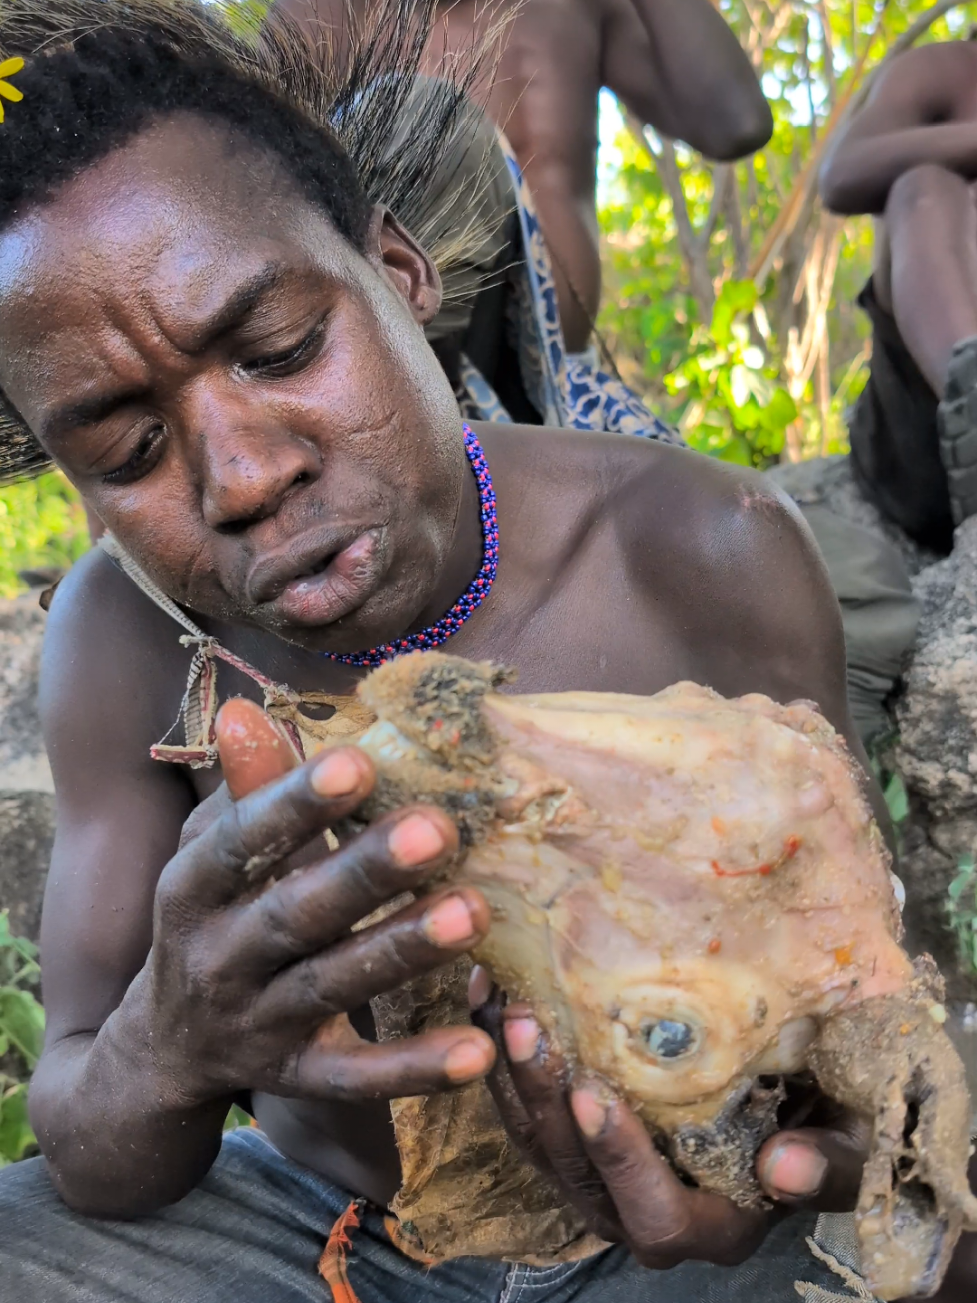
{"x":576,"y":1131}
{"x":252,"y":974}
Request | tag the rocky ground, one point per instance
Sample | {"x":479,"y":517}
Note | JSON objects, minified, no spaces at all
{"x":26,"y":789}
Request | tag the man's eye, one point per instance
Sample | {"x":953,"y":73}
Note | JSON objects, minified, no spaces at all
{"x":289,"y":361}
{"x":142,"y":461}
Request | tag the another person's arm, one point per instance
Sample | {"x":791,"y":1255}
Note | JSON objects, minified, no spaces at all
{"x":920,"y":110}
{"x":677,"y":65}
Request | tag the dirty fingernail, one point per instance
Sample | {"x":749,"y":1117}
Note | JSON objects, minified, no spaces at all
{"x":521,"y":1039}
{"x":337,"y":774}
{"x":590,"y":1113}
{"x":466,"y":1061}
{"x":449,"y":922}
{"x":479,"y":987}
{"x":795,"y":1169}
{"x":415,"y":840}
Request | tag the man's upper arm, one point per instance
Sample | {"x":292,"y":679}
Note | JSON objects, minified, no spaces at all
{"x":119,"y":813}
{"x":756,"y":599}
{"x":791,"y":619}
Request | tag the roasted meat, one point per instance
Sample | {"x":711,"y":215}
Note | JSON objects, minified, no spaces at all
{"x":694,"y":897}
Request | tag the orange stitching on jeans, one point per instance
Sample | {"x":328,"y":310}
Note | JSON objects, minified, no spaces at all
{"x":332,"y":1264}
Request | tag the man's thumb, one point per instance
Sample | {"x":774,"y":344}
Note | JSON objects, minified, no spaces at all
{"x":254,"y":750}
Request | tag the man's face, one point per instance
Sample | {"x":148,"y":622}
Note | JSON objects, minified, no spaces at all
{"x":247,"y":402}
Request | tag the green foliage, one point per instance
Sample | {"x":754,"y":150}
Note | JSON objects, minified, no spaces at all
{"x":682,"y":241}
{"x":962,"y":909}
{"x":741,"y":412}
{"x":897,"y":799}
{"x":42,"y":526}
{"x":21,"y":1039}
{"x":245,"y":17}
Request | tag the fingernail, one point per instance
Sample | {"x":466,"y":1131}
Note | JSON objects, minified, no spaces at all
{"x":795,"y":1169}
{"x":590,"y":1113}
{"x":415,"y":840}
{"x":466,"y":1061}
{"x":521,"y":1038}
{"x":479,"y":987}
{"x":338,"y":774}
{"x":449,"y":922}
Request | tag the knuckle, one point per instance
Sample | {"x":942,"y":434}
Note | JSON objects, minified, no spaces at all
{"x":172,"y":910}
{"x":404,"y":952}
{"x":318,"y":988}
{"x":666,"y":1231}
{"x":368,"y":869}
{"x":276,"y":916}
{"x":228,"y":834}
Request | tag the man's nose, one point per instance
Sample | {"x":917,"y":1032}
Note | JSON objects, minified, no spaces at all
{"x":249,"y":466}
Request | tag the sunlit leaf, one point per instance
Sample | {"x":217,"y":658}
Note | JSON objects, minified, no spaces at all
{"x":22,"y":1022}
{"x":16,"y":1136}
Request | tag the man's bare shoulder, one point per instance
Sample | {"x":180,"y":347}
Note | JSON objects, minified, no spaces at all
{"x":657,"y":489}
{"x":716,"y":549}
{"x":700,"y":512}
{"x":112,"y":670}
{"x":663,"y":500}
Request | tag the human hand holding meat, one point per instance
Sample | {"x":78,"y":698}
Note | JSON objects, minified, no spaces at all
{"x":693,"y":897}
{"x":255,"y":969}
{"x":582,"y":1134}
{"x":591,"y":1142}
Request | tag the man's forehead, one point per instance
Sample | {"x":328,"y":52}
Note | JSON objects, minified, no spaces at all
{"x":139,"y":233}
{"x":177,"y":196}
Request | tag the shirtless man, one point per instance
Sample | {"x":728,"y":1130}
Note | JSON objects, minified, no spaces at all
{"x":674,"y":63}
{"x":236,"y":378}
{"x":909,"y":157}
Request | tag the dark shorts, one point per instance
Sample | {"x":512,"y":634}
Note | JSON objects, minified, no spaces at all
{"x":254,"y":1229}
{"x":895,"y":441}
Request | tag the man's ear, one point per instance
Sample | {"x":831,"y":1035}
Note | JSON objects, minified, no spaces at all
{"x":395,"y":252}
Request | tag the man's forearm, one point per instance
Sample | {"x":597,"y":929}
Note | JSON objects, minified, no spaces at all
{"x":859,"y":173}
{"x":120,"y":1139}
{"x":719,"y":106}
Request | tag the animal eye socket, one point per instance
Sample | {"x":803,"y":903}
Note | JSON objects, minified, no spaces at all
{"x":667,"y":1039}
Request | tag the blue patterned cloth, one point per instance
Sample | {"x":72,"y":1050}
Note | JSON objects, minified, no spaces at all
{"x":566,"y":389}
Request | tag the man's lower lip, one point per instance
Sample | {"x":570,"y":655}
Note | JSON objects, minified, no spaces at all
{"x":342,"y":587}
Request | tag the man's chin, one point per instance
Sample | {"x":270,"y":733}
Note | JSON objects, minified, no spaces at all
{"x":353,"y":634}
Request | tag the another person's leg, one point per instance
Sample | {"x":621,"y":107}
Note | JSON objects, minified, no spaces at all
{"x":931,"y":225}
{"x":931,"y":229}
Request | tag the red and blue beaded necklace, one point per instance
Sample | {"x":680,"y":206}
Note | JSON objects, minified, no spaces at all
{"x":473,"y":596}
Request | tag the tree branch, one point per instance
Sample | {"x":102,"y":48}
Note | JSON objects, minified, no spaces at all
{"x":693,"y":244}
{"x":829,"y":52}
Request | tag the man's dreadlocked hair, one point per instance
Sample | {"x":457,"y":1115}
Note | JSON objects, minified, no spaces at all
{"x":347,"y":124}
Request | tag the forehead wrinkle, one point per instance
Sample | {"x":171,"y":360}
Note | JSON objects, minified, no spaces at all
{"x":228,"y":298}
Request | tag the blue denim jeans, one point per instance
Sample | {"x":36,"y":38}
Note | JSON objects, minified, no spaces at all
{"x":253,"y":1230}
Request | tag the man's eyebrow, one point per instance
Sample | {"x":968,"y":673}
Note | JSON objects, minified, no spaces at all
{"x":87,"y":411}
{"x":235,"y":308}
{"x":241,"y":301}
